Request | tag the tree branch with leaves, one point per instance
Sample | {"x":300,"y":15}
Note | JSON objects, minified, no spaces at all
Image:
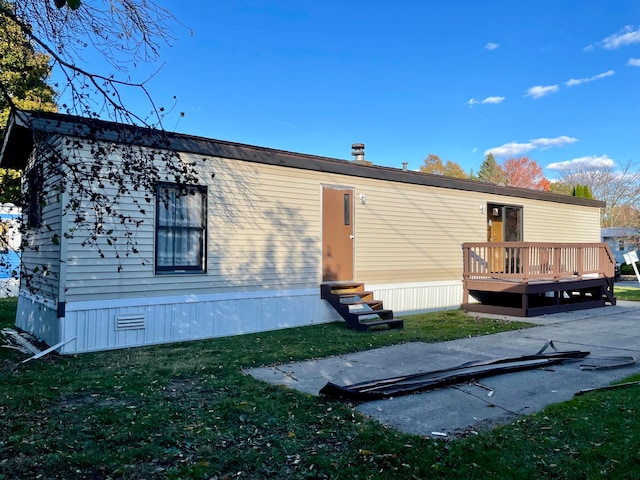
{"x":123,"y":32}
{"x":101,"y":170}
{"x":434,"y":165}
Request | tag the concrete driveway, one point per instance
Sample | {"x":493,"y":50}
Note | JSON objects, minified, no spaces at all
{"x":462,"y":409}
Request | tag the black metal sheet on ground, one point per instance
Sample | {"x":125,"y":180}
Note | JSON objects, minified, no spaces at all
{"x":420,"y":382}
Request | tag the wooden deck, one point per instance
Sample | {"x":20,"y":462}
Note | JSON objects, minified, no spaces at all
{"x":533,"y":278}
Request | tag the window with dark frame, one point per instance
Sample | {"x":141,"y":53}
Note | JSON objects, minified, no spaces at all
{"x":347,"y":209}
{"x":505,"y":223}
{"x":181,"y":228}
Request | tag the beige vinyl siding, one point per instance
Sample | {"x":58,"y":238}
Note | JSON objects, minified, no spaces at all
{"x":409,"y":233}
{"x":104,"y":270}
{"x":41,"y":255}
{"x":546,"y":221}
{"x":264,"y":233}
{"x":263,"y":227}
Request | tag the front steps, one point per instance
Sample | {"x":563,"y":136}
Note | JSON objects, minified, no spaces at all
{"x":357,"y":306}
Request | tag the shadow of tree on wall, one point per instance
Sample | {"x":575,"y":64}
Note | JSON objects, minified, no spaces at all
{"x":261,"y":238}
{"x":427,"y":232}
{"x":255,"y":240}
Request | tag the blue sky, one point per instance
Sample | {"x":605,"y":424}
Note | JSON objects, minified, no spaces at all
{"x":558,"y":81}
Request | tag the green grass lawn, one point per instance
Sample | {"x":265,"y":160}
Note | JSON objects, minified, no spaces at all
{"x":187,"y":411}
{"x":627,"y":293}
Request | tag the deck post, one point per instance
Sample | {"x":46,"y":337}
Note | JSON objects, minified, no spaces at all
{"x":525,"y":304}
{"x":579,"y":263}
{"x":557,"y":259}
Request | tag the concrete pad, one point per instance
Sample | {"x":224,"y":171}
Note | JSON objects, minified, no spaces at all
{"x":465,"y":408}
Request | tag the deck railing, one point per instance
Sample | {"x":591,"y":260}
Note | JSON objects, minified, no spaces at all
{"x":525,"y":261}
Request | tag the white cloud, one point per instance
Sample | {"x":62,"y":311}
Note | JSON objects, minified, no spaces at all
{"x":577,"y":81}
{"x":510,"y":149}
{"x":633,"y":62}
{"x":606,"y":74}
{"x":491,"y":46}
{"x":491,"y":100}
{"x":553,"y":142}
{"x":513,"y":149}
{"x":540,"y":91}
{"x":583,"y":162}
{"x":494,"y":100}
{"x":626,"y":36}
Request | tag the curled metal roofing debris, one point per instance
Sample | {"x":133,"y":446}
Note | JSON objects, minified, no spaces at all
{"x":419,"y":382}
{"x":608,"y":387}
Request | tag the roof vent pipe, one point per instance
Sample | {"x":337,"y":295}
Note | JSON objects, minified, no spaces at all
{"x":404,"y":166}
{"x":357,"y":150}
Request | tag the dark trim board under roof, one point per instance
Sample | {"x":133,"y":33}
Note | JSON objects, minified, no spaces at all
{"x":18,"y":145}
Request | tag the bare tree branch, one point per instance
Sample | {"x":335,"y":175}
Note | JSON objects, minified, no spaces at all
{"x":125,"y":32}
{"x":106,"y":173}
{"x":617,"y":187}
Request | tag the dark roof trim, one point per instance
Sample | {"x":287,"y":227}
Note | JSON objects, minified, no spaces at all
{"x":17,"y":144}
{"x":109,"y":131}
{"x":611,"y":232}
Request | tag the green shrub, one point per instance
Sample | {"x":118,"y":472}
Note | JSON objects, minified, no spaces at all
{"x":626,"y":269}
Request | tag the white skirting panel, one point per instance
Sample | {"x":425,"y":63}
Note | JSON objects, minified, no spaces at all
{"x":411,"y":298}
{"x":39,"y":317}
{"x":111,"y":324}
{"x":103,"y":325}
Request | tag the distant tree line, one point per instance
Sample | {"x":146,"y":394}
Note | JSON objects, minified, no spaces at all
{"x":520,"y":172}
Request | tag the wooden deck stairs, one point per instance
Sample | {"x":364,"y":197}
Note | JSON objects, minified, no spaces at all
{"x":358,"y":307}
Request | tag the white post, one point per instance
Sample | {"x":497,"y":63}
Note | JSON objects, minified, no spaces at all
{"x":635,"y":269}
{"x":632,"y":258}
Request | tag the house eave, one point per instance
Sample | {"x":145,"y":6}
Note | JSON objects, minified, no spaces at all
{"x":110,"y":131}
{"x":17,"y":144}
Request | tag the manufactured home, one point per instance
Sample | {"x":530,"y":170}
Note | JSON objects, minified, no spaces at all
{"x":621,"y":240}
{"x":246,"y":242}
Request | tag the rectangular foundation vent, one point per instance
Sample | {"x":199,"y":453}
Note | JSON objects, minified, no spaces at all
{"x":131,"y":321}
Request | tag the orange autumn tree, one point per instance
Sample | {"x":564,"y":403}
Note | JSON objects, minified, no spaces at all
{"x":524,"y":173}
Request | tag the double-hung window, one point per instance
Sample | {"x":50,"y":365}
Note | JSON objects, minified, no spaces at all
{"x":181,"y":228}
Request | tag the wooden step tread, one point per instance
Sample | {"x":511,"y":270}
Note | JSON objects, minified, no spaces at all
{"x":372,"y":304}
{"x":327,"y":289}
{"x":346,"y":291}
{"x":342,"y":284}
{"x":360,"y":293}
{"x":339,"y":287}
{"x":357,"y":306}
{"x":351,"y":300}
{"x":362,"y":313}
